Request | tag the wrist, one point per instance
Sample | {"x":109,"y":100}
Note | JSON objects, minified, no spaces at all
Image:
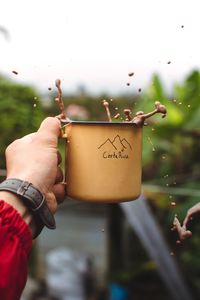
{"x":18,"y":205}
{"x":36,"y":212}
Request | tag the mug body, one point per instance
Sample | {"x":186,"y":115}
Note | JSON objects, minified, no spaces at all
{"x":103,"y":161}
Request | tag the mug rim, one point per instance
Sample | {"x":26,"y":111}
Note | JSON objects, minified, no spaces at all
{"x":99,"y":123}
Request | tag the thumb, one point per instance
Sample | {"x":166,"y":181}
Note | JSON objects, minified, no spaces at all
{"x":50,"y":127}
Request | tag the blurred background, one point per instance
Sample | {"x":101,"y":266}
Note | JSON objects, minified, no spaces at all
{"x":125,"y":251}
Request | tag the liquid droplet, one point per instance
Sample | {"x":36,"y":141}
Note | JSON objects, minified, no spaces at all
{"x":117,"y":116}
{"x":131,"y":74}
{"x":150,"y":141}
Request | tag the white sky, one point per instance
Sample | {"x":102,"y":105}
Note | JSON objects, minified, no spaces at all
{"x":97,"y":43}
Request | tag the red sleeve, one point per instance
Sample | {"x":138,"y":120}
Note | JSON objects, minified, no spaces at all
{"x":15,"y":247}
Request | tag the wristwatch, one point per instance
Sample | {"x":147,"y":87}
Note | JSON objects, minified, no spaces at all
{"x":33,"y":199}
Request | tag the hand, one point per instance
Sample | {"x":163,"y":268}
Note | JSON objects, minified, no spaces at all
{"x":35,"y":158}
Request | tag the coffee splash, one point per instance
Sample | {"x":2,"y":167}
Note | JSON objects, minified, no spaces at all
{"x":117,"y":116}
{"x":182,"y":230}
{"x":140,"y":117}
{"x":138,"y":120}
{"x":127,"y":113}
{"x":62,"y":116}
{"x":106,"y":105}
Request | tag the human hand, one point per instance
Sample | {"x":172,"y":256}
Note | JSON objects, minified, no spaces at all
{"x":35,"y":158}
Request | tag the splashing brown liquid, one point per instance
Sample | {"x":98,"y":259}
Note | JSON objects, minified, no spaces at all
{"x":181,"y":230}
{"x":117,"y":116}
{"x":127,"y":113}
{"x":59,"y":100}
{"x":140,"y":117}
{"x":106,"y":105}
{"x":131,"y":74}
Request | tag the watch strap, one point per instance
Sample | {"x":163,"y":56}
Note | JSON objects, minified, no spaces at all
{"x":32,"y":198}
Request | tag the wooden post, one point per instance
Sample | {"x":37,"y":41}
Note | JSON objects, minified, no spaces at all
{"x":115,"y":240}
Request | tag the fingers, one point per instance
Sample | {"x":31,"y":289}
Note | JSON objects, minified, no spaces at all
{"x":59,"y":175}
{"x":59,"y":158}
{"x":51,"y":202}
{"x":59,"y":192}
{"x":55,"y":196}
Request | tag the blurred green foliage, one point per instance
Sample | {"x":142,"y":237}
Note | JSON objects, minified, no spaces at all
{"x":175,"y":164}
{"x":18,"y":114}
{"x":170,"y":146}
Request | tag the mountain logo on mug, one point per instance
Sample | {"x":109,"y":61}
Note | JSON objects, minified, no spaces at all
{"x":115,"y":148}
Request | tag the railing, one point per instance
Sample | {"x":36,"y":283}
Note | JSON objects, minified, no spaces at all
{"x":156,"y":189}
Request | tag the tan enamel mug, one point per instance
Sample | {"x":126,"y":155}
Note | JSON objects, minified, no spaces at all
{"x":103,"y":161}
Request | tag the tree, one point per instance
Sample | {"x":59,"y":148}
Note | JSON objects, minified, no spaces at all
{"x":20,"y":111}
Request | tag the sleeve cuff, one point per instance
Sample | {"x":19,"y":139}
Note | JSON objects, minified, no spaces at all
{"x":11,"y":220}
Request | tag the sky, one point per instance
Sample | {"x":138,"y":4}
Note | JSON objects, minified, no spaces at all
{"x":96,"y":44}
